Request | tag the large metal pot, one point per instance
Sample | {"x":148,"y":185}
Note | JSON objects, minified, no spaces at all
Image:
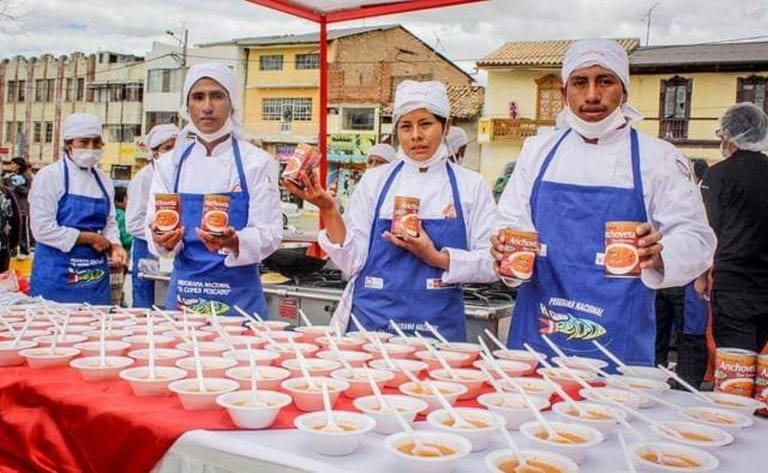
{"x":291,"y":260}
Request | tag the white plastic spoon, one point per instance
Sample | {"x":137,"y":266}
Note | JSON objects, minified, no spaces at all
{"x":438,"y":357}
{"x":437,"y":334}
{"x":302,"y":364}
{"x":198,"y":363}
{"x":335,"y":350}
{"x":103,"y":342}
{"x":330,"y":425}
{"x":305,"y":319}
{"x":151,"y":336}
{"x":397,"y":329}
{"x":21,"y":333}
{"x":687,"y":386}
{"x":522,"y":463}
{"x":458,"y":421}
{"x":495,"y":340}
{"x":255,"y":401}
{"x":625,"y":451}
{"x":609,"y":354}
{"x":384,"y":353}
{"x":558,"y":389}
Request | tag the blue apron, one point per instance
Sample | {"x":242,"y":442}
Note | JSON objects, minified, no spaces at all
{"x":569,"y":298}
{"x":82,"y":275}
{"x":395,"y":284}
{"x":695,"y":312}
{"x":200,"y":276}
{"x":143,"y":289}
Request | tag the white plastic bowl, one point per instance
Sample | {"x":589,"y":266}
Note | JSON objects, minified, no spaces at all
{"x":512,"y":407}
{"x":564,"y":378}
{"x":285,"y":351}
{"x":565,"y":412}
{"x":386,"y":422}
{"x":311,"y":334}
{"x":472,"y":379}
{"x":643,"y":372}
{"x":650,"y":386}
{"x":315,"y":366}
{"x":407,"y":463}
{"x":343,"y":344}
{"x":28,"y":335}
{"x":247,"y":416}
{"x":707,"y":461}
{"x":213,"y":366}
{"x":355,"y":359}
{"x":241,"y":341}
{"x":382,"y":336}
{"x":718,"y":437}
{"x":191,"y":397}
{"x":143,"y":386}
{"x":232,"y":320}
{"x":163,"y":356}
{"x":395,"y":352}
{"x":231,"y":330}
{"x":415,"y":367}
{"x":205,"y":348}
{"x":74,"y":329}
{"x":451,"y":392}
{"x":90,"y":370}
{"x":112,"y":348}
{"x":628,"y":398}
{"x":283,"y":336}
{"x":143,"y":329}
{"x":741,"y":404}
{"x":513,"y":369}
{"x":731,"y":421}
{"x":358,"y":382}
{"x":471,"y":349}
{"x":575,"y":452}
{"x":452,"y":359}
{"x":534,"y":386}
{"x":268,"y":325}
{"x":9,"y":355}
{"x":480,"y":436}
{"x":67,"y":341}
{"x":334,"y":443}
{"x":142,"y":341}
{"x":269,"y":377}
{"x":495,"y":459}
{"x":44,"y":357}
{"x":311,"y":400}
{"x":114,"y":334}
{"x":580,"y":363}
{"x":522,"y":356}
{"x":262,"y":357}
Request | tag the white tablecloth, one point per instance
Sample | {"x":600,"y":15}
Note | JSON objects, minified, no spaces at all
{"x":287,"y":451}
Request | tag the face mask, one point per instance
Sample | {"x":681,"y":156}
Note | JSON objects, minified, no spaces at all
{"x":595,"y":130}
{"x":86,"y":158}
{"x":211,"y":137}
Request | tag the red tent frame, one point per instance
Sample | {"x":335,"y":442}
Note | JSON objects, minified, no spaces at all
{"x":335,"y":16}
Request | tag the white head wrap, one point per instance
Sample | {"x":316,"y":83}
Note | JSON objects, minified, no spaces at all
{"x":456,"y":138}
{"x":606,"y":53}
{"x":159,"y":134}
{"x":412,"y":95}
{"x":384,"y":151}
{"x":81,"y":125}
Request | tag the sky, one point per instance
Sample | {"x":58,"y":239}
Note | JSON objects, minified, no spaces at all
{"x":464,"y":33}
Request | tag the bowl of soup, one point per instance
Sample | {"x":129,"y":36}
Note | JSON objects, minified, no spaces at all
{"x":452,"y":359}
{"x":213,"y":366}
{"x":231,"y":330}
{"x":193,"y":398}
{"x":472,"y":379}
{"x":343,"y":343}
{"x":591,"y":414}
{"x":205,"y":348}
{"x":114,"y":334}
{"x":580,"y":363}
{"x":282,"y":336}
{"x":512,"y":407}
{"x":28,"y":335}
{"x":513,"y":369}
{"x":439,"y":451}
{"x":693,"y":433}
{"x":10,"y":355}
{"x":315,"y":367}
{"x":355,"y":359}
{"x":112,"y":348}
{"x":268,"y":377}
{"x":414,"y":367}
{"x":471,"y":349}
{"x":232,"y":320}
{"x":370,"y":335}
{"x":565,"y":378}
{"x":311,"y":334}
{"x":637,"y":371}
{"x":386,"y":422}
{"x":627,"y":398}
{"x":144,"y":385}
{"x":744,"y":405}
{"x":523,"y":356}
{"x":539,"y":461}
{"x":142,"y":341}
{"x":307,"y":393}
{"x":450,"y":391}
{"x":393,"y":350}
{"x":351,"y":427}
{"x":267,"y":326}
{"x":662,"y":456}
{"x":91,"y":368}
{"x":358,"y":381}
{"x":646,"y":385}
{"x":47,"y":357}
{"x":476,"y":425}
{"x":68,"y":340}
{"x":414,"y":342}
{"x":247,"y":414}
{"x":240,"y":342}
{"x":285,"y":351}
{"x":535,"y":386}
{"x":260,"y":357}
{"x":731,"y":421}
{"x":571,"y":440}
{"x":163,"y":356}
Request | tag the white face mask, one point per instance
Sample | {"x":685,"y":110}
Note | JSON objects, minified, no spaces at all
{"x":86,"y":158}
{"x":595,"y":130}
{"x":211,"y":137}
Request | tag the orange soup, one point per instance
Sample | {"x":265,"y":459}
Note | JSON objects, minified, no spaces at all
{"x":671,"y":459}
{"x":408,"y":449}
{"x":534,"y":466}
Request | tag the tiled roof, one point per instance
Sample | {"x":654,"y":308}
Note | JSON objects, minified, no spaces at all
{"x":539,"y":53}
{"x":700,"y":54}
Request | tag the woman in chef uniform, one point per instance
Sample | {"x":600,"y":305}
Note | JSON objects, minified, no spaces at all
{"x":73,"y":220}
{"x":411,"y":280}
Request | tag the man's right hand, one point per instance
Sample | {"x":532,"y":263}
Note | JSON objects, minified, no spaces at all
{"x":312,"y":191}
{"x":167,"y":240}
{"x":98,"y":242}
{"x":497,"y":251}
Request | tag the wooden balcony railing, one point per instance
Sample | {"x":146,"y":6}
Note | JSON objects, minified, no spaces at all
{"x":508,"y":129}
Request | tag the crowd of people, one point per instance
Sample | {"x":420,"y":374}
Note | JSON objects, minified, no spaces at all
{"x":593,"y":168}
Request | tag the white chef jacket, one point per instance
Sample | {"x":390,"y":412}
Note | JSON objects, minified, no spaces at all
{"x":433,"y":188}
{"x":217,"y":173}
{"x":672,"y":201}
{"x":138,"y":193}
{"x":48,"y":188}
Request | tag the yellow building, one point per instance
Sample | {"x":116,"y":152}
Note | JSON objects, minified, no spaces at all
{"x":681,"y":90}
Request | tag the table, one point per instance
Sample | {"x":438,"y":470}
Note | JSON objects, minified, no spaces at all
{"x":286,"y":451}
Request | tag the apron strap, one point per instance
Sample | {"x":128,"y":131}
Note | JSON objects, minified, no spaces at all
{"x":457,"y":202}
{"x":542,"y":171}
{"x":637,"y":177}
{"x":103,"y":189}
{"x":66,"y":175}
{"x":240,"y":171}
{"x":178,"y":168}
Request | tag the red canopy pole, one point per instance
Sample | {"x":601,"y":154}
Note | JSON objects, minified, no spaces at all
{"x":323,"y":109}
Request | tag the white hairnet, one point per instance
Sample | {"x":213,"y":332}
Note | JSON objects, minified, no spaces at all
{"x":746,"y":126}
{"x":412,"y":95}
{"x":159,"y":134}
{"x":384,"y":151}
{"x":81,"y":125}
{"x":606,"y":53}
{"x":456,"y":138}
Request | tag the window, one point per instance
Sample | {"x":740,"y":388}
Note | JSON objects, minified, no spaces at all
{"x":307,"y":61}
{"x":49,"y":132}
{"x":134,"y":92}
{"x":68,"y":90}
{"x":11,"y":97}
{"x":21,"y":93}
{"x":286,"y":110}
{"x":50,"y":85}
{"x":80,"y":89}
{"x":362,"y":119}
{"x":675,"y":108}
{"x":159,"y":118}
{"x":121,"y":172}
{"x":37,"y":132}
{"x":549,"y":97}
{"x":164,"y":80}
{"x":10,"y":132}
{"x":121,"y":134}
{"x":40,"y":90}
{"x":271,"y":62}
{"x":753,"y":89}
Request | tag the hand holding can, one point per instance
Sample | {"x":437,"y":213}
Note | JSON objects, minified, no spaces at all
{"x":519,"y":250}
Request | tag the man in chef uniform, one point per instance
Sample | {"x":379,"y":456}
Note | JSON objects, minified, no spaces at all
{"x":380,"y":154}
{"x":160,"y":140}
{"x":567,"y":184}
{"x":214,"y":273}
{"x":73,"y":220}
{"x":457,"y":141}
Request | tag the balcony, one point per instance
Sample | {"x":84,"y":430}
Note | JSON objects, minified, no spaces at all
{"x":673,"y":129}
{"x":511,"y":130}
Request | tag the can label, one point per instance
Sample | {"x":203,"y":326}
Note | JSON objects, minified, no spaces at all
{"x":761,"y":383}
{"x":520,"y":249}
{"x":215,"y":214}
{"x":304,"y":158}
{"x":621,"y":259}
{"x":405,"y":218}
{"x":167,"y":212}
{"x":735,"y":371}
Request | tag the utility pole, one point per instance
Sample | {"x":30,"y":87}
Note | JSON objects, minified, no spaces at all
{"x":649,"y":17}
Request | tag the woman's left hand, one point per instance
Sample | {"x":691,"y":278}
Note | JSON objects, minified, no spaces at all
{"x":214,"y":243}
{"x":422,"y":247}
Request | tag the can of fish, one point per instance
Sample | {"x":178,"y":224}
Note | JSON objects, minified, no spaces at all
{"x":405,"y":220}
{"x":520,"y":250}
{"x":735,"y":371}
{"x":761,"y":383}
{"x":621,"y":258}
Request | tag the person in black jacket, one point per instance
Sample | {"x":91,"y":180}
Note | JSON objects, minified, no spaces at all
{"x":736,"y":196}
